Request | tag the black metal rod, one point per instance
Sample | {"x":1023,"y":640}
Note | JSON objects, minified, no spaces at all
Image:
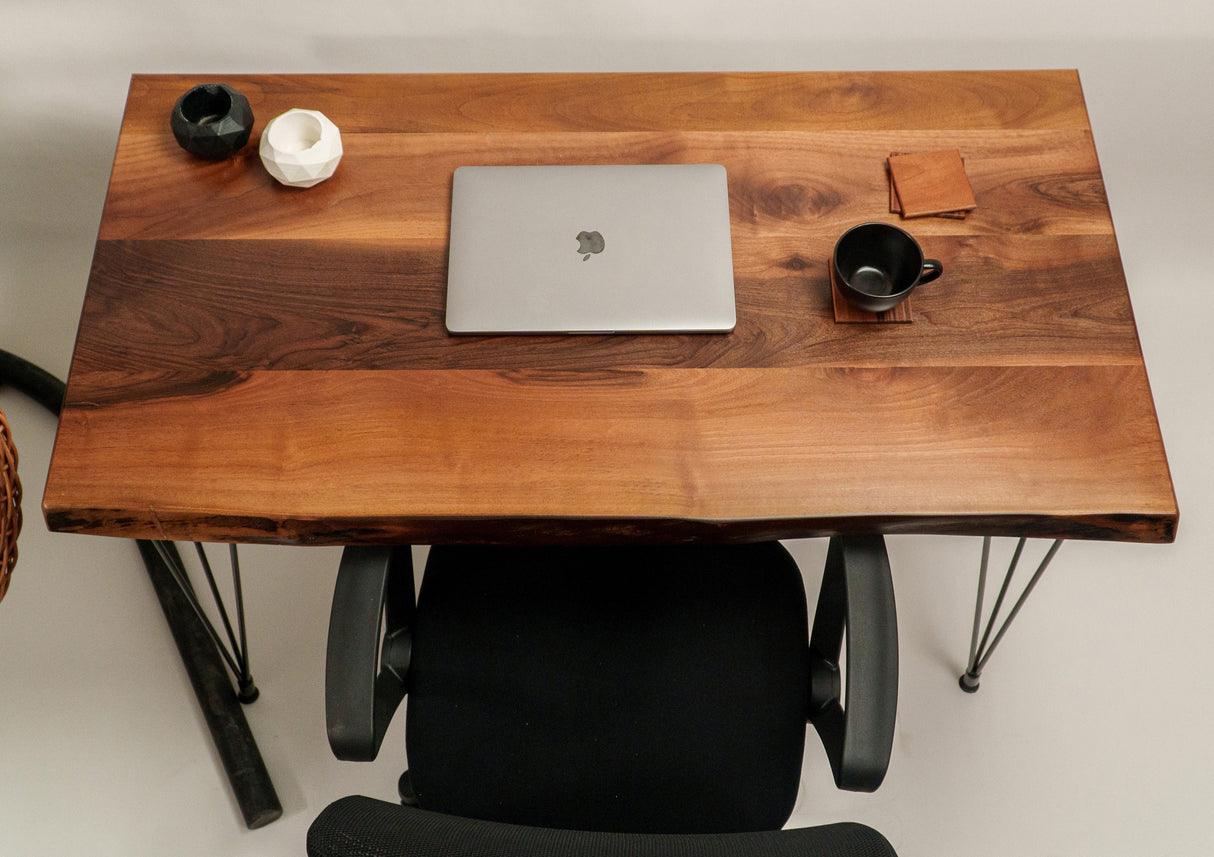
{"x":242,"y":667}
{"x":1028,"y":590}
{"x":172,"y":562}
{"x":1007,"y":582}
{"x":237,"y":658}
{"x":238,"y":589}
{"x":982,"y":569}
{"x":246,"y":690}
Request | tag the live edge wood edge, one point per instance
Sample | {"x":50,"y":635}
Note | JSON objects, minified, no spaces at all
{"x":477,"y":530}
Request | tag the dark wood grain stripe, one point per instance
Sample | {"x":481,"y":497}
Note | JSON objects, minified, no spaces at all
{"x":202,"y":307}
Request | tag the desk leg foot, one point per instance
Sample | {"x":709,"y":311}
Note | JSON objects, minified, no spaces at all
{"x":982,"y":647}
{"x":247,"y":692}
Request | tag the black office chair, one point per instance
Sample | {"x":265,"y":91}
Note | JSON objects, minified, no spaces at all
{"x":606,"y":701}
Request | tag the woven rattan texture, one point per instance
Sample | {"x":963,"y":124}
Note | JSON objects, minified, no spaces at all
{"x":10,"y":505}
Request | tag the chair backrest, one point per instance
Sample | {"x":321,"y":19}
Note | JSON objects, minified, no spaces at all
{"x":645,"y":689}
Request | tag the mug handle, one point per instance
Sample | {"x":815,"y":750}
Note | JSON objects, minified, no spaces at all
{"x":931,"y":269}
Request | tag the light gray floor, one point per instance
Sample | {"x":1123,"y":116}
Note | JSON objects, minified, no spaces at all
{"x":1090,"y":735}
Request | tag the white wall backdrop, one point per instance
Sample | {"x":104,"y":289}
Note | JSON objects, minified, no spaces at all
{"x":1090,"y":734}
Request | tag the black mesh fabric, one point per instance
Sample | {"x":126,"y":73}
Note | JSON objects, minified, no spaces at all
{"x":652,"y":689}
{"x":362,"y":827}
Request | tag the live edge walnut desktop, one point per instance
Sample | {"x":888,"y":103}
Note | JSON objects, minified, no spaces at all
{"x":257,"y":363}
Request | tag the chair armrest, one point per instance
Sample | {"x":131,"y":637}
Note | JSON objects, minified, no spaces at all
{"x":365,"y":680}
{"x":856,"y":600}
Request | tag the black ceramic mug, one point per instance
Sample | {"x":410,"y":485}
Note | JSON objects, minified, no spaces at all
{"x":877,"y":265}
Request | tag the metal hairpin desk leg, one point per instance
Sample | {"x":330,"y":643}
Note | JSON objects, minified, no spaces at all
{"x":237,"y":656}
{"x":980,"y":652}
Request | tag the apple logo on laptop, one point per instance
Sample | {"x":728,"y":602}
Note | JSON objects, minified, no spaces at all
{"x":590,"y":243}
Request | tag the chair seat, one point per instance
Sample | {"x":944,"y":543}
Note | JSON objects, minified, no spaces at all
{"x":372,"y":828}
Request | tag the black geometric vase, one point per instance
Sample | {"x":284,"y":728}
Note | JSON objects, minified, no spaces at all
{"x":212,"y":120}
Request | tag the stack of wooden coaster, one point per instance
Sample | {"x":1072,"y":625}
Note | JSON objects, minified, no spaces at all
{"x":930,"y":184}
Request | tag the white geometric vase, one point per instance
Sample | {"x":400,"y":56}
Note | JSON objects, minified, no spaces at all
{"x":301,"y":148}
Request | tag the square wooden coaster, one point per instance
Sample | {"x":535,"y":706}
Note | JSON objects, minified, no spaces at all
{"x":845,"y":313}
{"x":928,"y":183}
{"x":895,"y":204}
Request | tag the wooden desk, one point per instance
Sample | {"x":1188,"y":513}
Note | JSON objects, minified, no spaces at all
{"x":261,"y":364}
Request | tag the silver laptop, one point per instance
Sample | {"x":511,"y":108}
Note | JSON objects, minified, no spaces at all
{"x":590,"y":249}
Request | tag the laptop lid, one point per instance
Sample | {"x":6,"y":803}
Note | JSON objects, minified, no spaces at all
{"x":590,"y":249}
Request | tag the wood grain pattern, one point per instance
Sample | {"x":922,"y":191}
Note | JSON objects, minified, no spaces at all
{"x":485,"y":103}
{"x":398,"y":187}
{"x":258,"y":363}
{"x":561,"y":447}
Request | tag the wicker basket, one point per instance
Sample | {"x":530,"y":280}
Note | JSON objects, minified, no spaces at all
{"x":10,"y":506}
